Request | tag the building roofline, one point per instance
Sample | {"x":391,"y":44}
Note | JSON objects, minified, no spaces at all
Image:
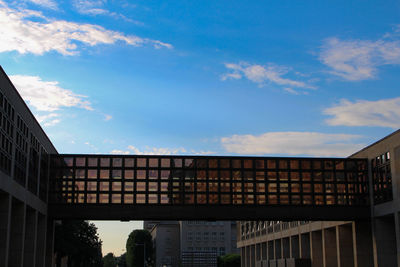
{"x":380,"y":140}
{"x":30,"y":112}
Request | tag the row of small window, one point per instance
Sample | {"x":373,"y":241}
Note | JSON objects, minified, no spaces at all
{"x":21,"y":142}
{"x":6,"y":106}
{"x":207,"y":249}
{"x":205,"y":236}
{"x":6,"y":125}
{"x":211,"y":175}
{"x":21,"y":126}
{"x":6,"y":144}
{"x":343,"y":188}
{"x":5,"y":163}
{"x":213,"y":163}
{"x":272,"y":199}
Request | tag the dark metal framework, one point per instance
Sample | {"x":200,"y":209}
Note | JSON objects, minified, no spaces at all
{"x":195,"y":181}
{"x":382,"y":178}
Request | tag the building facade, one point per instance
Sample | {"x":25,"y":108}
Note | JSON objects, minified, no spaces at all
{"x":199,"y":242}
{"x":26,"y":233}
{"x":374,"y":242}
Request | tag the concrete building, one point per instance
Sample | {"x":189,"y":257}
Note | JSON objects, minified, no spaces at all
{"x":198,"y":243}
{"x":166,"y":240}
{"x":375,"y":242}
{"x":26,"y":233}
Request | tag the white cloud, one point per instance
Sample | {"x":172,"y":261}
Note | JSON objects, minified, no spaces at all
{"x":262,"y":74}
{"x":93,"y":7}
{"x":47,"y":95}
{"x":50,"y":119}
{"x":383,"y":113}
{"x":107,"y":117}
{"x":357,"y":60}
{"x":159,"y":151}
{"x":21,"y":31}
{"x":45,"y":3}
{"x":293,"y":143}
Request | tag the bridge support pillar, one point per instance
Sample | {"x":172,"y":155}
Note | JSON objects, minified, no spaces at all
{"x":271,"y":250}
{"x":362,"y":244}
{"x":316,"y":249}
{"x":30,"y":238}
{"x":385,"y":241}
{"x":278,"y":249}
{"x":329,"y":245}
{"x":345,"y":245}
{"x":49,"y":260}
{"x":40,"y":240}
{"x":5,"y":222}
{"x":17,"y":234}
{"x":305,"y":250}
{"x":295,"y":247}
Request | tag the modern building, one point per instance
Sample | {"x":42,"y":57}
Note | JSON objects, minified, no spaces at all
{"x":199,"y":243}
{"x":26,"y":233}
{"x":341,"y":243}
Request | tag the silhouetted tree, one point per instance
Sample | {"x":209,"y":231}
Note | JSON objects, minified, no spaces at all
{"x":229,"y":260}
{"x":137,"y":241}
{"x":79,"y":241}
{"x":121,"y":260}
{"x":109,"y":260}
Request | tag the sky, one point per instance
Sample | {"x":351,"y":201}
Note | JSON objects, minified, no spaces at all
{"x":274,"y":78}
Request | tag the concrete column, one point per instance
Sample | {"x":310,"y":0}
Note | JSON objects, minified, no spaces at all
{"x":264,"y":251}
{"x":286,"y":248}
{"x":330,"y":247}
{"x":258,"y":252}
{"x":295,"y":247}
{"x":316,"y":249}
{"x":344,"y":238}
{"x":278,"y":249}
{"x":242,"y":263}
{"x":40,"y":240}
{"x":248,"y":256}
{"x":271,"y":250}
{"x":252,"y":255}
{"x":30,"y":237}
{"x":397,"y":224}
{"x":49,"y":259}
{"x":305,"y":246}
{"x":362,"y":244}
{"x":17,"y":234}
{"x":5,"y":221}
{"x":385,"y":241}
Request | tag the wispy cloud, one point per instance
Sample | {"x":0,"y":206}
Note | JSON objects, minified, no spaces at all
{"x":383,"y":113}
{"x":356,"y":60}
{"x":21,"y":31}
{"x":44,"y":3}
{"x":262,"y":74}
{"x":47,"y":95}
{"x":159,"y":151}
{"x":48,"y":120}
{"x":293,"y":143}
{"x":97,"y":7}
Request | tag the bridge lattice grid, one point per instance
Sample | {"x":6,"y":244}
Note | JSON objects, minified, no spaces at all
{"x":208,"y":182}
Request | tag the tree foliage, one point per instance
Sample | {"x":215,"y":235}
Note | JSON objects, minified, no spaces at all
{"x":134,"y":248}
{"x":109,"y":260}
{"x":79,"y":241}
{"x":229,"y":260}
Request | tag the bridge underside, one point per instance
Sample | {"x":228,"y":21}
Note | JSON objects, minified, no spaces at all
{"x":214,"y":213}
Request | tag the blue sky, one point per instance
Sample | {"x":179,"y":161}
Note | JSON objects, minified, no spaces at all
{"x":303,"y":78}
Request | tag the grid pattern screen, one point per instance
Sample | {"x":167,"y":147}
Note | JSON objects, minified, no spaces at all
{"x":185,"y":180}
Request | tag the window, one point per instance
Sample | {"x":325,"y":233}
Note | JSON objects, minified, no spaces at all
{"x":189,"y":235}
